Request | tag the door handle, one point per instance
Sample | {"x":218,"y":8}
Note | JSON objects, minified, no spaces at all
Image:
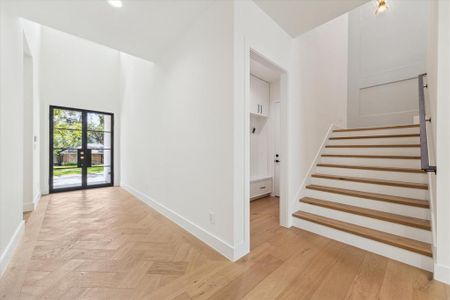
{"x":84,"y":158}
{"x":277,"y":160}
{"x":80,"y":160}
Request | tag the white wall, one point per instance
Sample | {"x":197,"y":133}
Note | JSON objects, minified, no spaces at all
{"x":321,"y":70}
{"x":11,"y":128}
{"x":81,"y":74}
{"x":432,"y":61}
{"x":439,"y":82}
{"x":137,"y":88}
{"x":178,"y":125}
{"x":32,"y":40}
{"x":387,"y":52}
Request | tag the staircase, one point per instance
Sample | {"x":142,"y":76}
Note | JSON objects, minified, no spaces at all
{"x":368,"y":190}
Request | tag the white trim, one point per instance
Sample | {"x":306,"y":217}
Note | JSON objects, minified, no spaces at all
{"x":36,"y":200}
{"x":211,"y":240}
{"x":31,"y":206}
{"x":12,"y":244}
{"x":242,"y":150}
{"x":302,"y":190}
{"x":240,"y":251}
{"x":442,"y":273}
{"x":395,"y":253}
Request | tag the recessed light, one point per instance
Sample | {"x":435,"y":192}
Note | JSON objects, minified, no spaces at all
{"x":115,"y":3}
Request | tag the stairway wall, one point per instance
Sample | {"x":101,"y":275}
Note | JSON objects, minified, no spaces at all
{"x":321,"y":93}
{"x":386,"y":52}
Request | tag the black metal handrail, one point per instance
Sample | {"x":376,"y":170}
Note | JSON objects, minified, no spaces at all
{"x":424,"y":157}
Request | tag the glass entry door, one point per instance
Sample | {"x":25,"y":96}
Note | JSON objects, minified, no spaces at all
{"x":81,"y":149}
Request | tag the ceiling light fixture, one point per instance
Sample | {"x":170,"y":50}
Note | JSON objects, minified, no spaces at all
{"x":115,"y":3}
{"x":381,"y":7}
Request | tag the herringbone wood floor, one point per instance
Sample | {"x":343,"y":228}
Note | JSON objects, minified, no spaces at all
{"x":105,"y":244}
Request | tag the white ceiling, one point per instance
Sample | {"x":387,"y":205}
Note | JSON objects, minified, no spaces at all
{"x":299,"y":16}
{"x":143,"y":28}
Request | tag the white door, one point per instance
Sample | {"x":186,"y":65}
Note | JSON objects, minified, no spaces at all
{"x":275,"y":107}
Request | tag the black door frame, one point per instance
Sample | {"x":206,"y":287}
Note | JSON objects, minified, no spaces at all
{"x":83,"y":185}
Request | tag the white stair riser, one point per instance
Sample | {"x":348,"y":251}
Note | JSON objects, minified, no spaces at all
{"x":380,"y":141}
{"x":413,"y":130}
{"x":394,"y":208}
{"x":378,"y":162}
{"x":405,"y":256}
{"x":397,"y":176}
{"x":374,"y":151}
{"x":372,"y":223}
{"x":373,"y":188}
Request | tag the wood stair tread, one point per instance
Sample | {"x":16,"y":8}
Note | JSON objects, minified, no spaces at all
{"x":382,"y":136}
{"x":383,"y":237}
{"x":376,"y":128}
{"x":373,"y":168}
{"x":371,"y":156}
{"x":371,"y":196}
{"x":375,"y":146}
{"x":371,"y":213}
{"x":413,"y":185}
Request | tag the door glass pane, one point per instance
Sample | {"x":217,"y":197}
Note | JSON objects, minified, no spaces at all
{"x":66,"y":174}
{"x":67,"y":119}
{"x":101,"y":158}
{"x":99,"y":140}
{"x":66,"y":177}
{"x":67,"y":139}
{"x":99,"y":122}
{"x":65,"y":158}
{"x":99,"y":175}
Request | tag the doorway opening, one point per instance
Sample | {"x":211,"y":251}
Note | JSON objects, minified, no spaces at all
{"x":81,"y":149}
{"x":267,"y":89}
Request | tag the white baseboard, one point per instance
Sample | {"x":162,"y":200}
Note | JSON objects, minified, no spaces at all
{"x":211,"y":240}
{"x":12,"y":244}
{"x":442,"y":273}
